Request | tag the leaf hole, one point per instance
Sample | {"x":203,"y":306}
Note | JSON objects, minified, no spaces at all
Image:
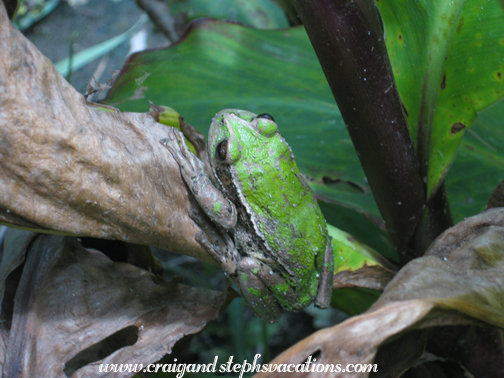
{"x":115,"y":250}
{"x":102,"y":349}
{"x":315,"y":357}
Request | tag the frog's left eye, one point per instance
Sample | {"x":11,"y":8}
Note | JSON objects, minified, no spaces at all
{"x":228,"y":151}
{"x":266,"y":125}
{"x":222,"y":150}
{"x":266,"y":116}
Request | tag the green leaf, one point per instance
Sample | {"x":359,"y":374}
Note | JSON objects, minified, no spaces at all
{"x":28,"y":14}
{"x":354,"y":300}
{"x":447,"y":61}
{"x":262,"y":14}
{"x":350,"y":254}
{"x":221,"y":65}
{"x":86,"y":56}
{"x":290,"y":9}
{"x":360,"y":227}
{"x":479,"y":166}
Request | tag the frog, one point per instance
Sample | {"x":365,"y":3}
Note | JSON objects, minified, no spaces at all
{"x":267,"y":230}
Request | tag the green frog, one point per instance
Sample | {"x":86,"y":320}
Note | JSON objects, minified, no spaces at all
{"x":270,"y":238}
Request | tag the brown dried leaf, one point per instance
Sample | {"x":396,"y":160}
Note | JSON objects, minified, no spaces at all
{"x":70,"y":298}
{"x":4,"y":339}
{"x":459,"y":281}
{"x":370,"y":277}
{"x":75,"y":169}
{"x":463,"y":270}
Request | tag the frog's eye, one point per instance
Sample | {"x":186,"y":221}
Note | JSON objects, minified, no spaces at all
{"x":266,"y":125}
{"x":228,"y":151}
{"x":222,"y":149}
{"x":266,"y":116}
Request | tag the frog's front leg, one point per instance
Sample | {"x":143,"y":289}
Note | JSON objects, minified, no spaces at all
{"x":324,"y":294}
{"x":218,"y":244}
{"x":220,"y":210}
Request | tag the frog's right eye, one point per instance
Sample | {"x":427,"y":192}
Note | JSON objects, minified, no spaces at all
{"x":266,"y":116}
{"x":266,"y":125}
{"x":222,"y":150}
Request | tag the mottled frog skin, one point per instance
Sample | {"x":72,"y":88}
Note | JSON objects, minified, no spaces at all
{"x":275,"y":245}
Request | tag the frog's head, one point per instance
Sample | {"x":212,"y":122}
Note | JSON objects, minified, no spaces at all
{"x":232,"y":130}
{"x":233,"y":138}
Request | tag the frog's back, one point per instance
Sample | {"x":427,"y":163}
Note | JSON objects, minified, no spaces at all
{"x":283,"y":208}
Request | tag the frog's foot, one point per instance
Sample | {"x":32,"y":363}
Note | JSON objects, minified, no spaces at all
{"x":323,"y":299}
{"x":220,"y":210}
{"x":255,"y":292}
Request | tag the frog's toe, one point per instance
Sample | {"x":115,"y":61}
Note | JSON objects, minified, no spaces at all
{"x":170,"y":146}
{"x":182,"y":144}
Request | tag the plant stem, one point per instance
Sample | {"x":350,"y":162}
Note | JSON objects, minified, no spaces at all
{"x":349,"y":43}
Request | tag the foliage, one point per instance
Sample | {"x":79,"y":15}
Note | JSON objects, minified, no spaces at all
{"x":443,"y":82}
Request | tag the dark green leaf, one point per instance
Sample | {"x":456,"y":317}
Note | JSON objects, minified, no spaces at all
{"x":221,"y":65}
{"x":354,"y":301}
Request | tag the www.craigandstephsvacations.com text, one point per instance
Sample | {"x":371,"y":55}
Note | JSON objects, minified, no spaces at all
{"x":309,"y":365}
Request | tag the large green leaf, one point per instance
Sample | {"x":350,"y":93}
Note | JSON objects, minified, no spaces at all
{"x":447,"y":57}
{"x":221,"y":65}
{"x":262,"y":14}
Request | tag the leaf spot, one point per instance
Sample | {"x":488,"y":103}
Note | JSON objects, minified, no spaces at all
{"x":443,"y":83}
{"x":457,"y":127}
